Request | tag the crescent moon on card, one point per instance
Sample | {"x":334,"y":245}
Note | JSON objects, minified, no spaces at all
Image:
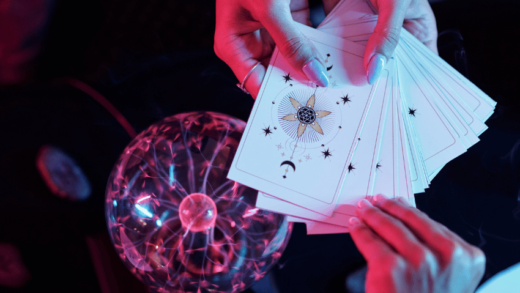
{"x":289,"y":163}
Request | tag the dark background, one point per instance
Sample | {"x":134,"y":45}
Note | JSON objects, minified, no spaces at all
{"x":153,"y":59}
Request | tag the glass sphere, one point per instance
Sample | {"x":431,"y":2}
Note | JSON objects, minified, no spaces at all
{"x":197,"y":212}
{"x":175,"y":219}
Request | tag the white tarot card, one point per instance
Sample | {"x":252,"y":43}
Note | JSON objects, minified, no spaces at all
{"x":387,"y":170}
{"x":435,"y":95}
{"x":318,"y":228}
{"x":446,"y":92}
{"x":300,"y":138}
{"x":480,"y":103}
{"x":405,"y":179}
{"x":366,"y":161}
{"x":358,"y":182}
{"x":437,"y":138}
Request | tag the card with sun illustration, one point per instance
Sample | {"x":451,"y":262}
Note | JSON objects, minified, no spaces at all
{"x":365,"y":164}
{"x":300,"y":138}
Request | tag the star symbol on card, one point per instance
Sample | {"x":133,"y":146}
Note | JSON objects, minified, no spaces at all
{"x":326,"y":154}
{"x":378,"y":166}
{"x":412,"y":111}
{"x":346,"y":99}
{"x":279,"y":146}
{"x":287,"y":77}
{"x":267,"y":130}
{"x":308,"y":157}
{"x":283,"y":154}
{"x":350,"y":167}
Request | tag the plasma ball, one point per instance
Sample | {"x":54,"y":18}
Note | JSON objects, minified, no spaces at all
{"x":197,"y":212}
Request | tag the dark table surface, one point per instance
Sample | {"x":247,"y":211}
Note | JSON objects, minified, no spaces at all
{"x":475,"y":195}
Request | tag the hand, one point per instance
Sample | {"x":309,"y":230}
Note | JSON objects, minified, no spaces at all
{"x":247,"y":31}
{"x":416,"y":16}
{"x":408,"y":252}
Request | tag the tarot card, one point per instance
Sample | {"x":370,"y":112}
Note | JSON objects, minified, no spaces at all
{"x":449,"y":96}
{"x":318,"y":228}
{"x":358,"y":181}
{"x":479,"y":103}
{"x":405,"y":181}
{"x":435,"y":94}
{"x":386,"y":173}
{"x":366,"y":161}
{"x":437,"y":138}
{"x":299,"y":139}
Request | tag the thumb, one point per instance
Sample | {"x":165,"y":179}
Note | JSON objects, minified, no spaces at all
{"x":293,"y":45}
{"x":382,"y":42}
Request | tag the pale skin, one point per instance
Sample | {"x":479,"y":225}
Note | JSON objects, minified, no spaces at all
{"x":248,"y":30}
{"x":406,"y":251}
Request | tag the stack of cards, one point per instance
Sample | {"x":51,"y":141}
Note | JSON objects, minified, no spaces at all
{"x":313,"y":152}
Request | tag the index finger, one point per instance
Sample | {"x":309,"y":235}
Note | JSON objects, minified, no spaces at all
{"x":427,"y":230}
{"x":371,"y":246}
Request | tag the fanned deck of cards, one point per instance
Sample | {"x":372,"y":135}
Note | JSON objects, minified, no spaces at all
{"x":313,"y":152}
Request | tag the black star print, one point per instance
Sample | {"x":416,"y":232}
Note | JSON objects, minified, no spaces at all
{"x":346,"y":99}
{"x":412,"y":111}
{"x":378,"y":166}
{"x":350,"y":167}
{"x":326,"y":154}
{"x":287,"y":77}
{"x":267,"y":130}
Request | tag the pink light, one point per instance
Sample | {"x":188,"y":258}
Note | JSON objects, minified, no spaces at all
{"x":250,"y":213}
{"x":143,"y":198}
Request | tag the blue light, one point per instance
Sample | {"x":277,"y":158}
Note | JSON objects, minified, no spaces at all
{"x":144,"y":211}
{"x":172,"y":167}
{"x":114,"y":203}
{"x":158,"y":222}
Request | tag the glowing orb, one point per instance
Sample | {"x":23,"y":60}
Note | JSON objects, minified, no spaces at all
{"x":177,"y":222}
{"x":197,"y":212}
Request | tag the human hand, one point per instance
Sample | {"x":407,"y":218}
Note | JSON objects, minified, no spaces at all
{"x":406,"y":251}
{"x":247,"y":31}
{"x":416,"y":16}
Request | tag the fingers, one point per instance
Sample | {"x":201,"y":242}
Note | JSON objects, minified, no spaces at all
{"x":293,"y":45}
{"x":371,"y":246}
{"x":382,"y":42}
{"x":442,"y":242}
{"x":395,"y":233}
{"x":237,"y":46}
{"x":425,"y":31}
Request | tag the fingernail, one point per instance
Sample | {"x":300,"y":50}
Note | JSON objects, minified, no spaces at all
{"x":316,"y":73}
{"x":363,"y":203}
{"x":379,"y":198}
{"x":352,"y":222}
{"x":376,"y":65}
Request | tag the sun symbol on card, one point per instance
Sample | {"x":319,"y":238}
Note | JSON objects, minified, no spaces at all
{"x":306,"y":116}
